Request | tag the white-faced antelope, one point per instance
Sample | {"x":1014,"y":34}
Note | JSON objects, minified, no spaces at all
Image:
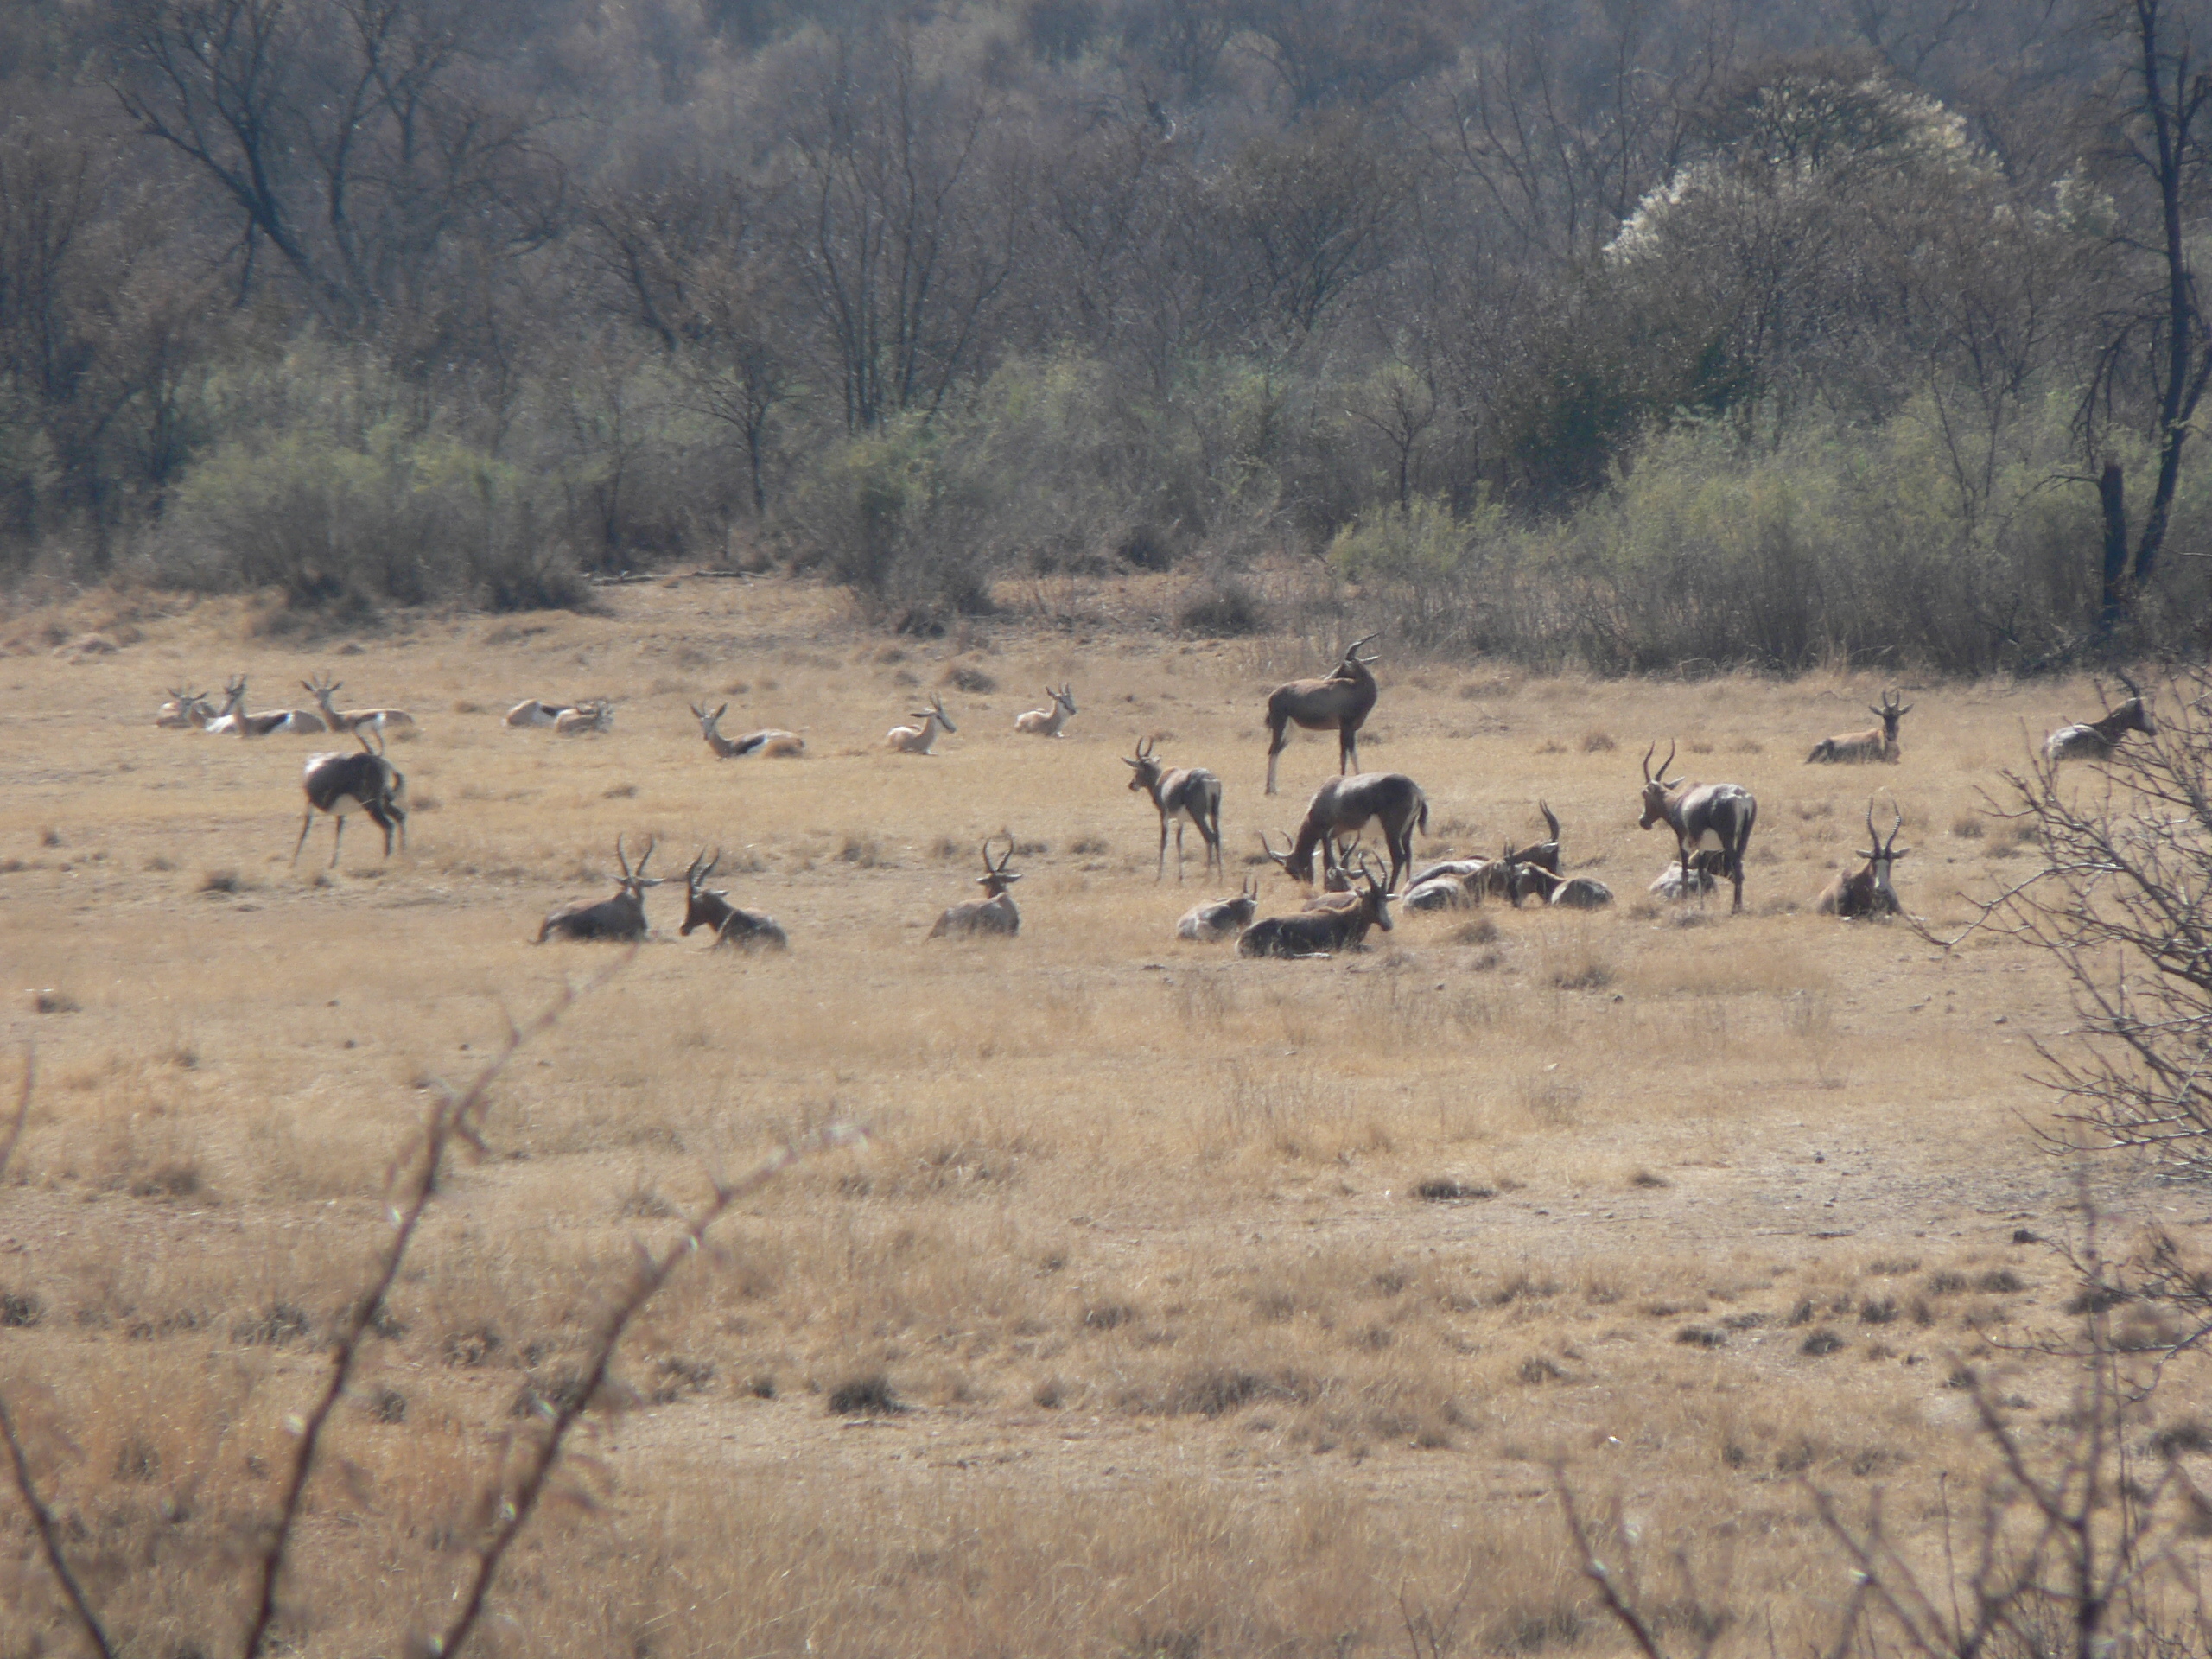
{"x":1714,"y":817}
{"x":341,"y":783}
{"x":1224,"y":918}
{"x":1322,"y":932}
{"x":1047,"y":721}
{"x":1866,"y":891}
{"x":769,"y":740}
{"x":1177,"y":793}
{"x":922,"y":738}
{"x":710,"y":908}
{"x":185,"y":709}
{"x":622,"y":917}
{"x":1390,"y":800}
{"x":1875,"y":743}
{"x":993,"y":913}
{"x":1339,"y":703}
{"x":353,"y":720}
{"x":586,"y":719}
{"x":2094,"y":740}
{"x":1566,"y":891}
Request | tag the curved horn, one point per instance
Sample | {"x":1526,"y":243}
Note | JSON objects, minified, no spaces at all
{"x":2134,"y":690}
{"x":1648,"y":753}
{"x":1551,"y":819}
{"x":1282,"y":858}
{"x":1668,"y":762}
{"x":651,"y":841}
{"x":620,"y":859}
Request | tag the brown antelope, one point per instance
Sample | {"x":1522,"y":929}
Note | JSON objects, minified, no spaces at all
{"x":622,"y":917}
{"x":1875,"y":743}
{"x":234,"y":721}
{"x":1704,"y":816}
{"x":185,"y":709}
{"x":1337,"y":883}
{"x":710,"y":908}
{"x":922,"y":738}
{"x":2094,"y":740}
{"x":1047,"y":722}
{"x":586,"y":719}
{"x":1868,"y":891}
{"x":993,"y":913}
{"x":353,"y":720}
{"x":1390,"y":800}
{"x":766,"y":741}
{"x":338,"y":783}
{"x":1224,"y":919}
{"x":1339,"y":703}
{"x":1183,"y":793}
{"x":1321,"y":932}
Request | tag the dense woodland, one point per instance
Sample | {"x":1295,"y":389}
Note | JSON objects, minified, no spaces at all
{"x":1624,"y":332}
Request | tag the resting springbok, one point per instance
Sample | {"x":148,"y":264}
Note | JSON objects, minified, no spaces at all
{"x":1339,"y":703}
{"x":769,"y":740}
{"x":710,"y":908}
{"x":1224,"y":919}
{"x":1390,"y":800}
{"x":993,"y":913}
{"x":235,"y":721}
{"x":1868,"y":891}
{"x":352,"y":720}
{"x":2099,"y":738}
{"x":1715,"y":817}
{"x":184,"y":709}
{"x":536,"y":713}
{"x":340,"y":783}
{"x":922,"y":738}
{"x":1321,"y":932}
{"x":1875,"y":743}
{"x":622,"y":917}
{"x":1182,"y":792}
{"x":1046,"y":723}
{"x":586,"y":718}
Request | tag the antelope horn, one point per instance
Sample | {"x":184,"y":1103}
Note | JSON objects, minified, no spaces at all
{"x":620,"y":859}
{"x":1281,"y":858}
{"x":651,"y":841}
{"x":1551,"y":820}
{"x":691,"y":876}
{"x":1648,"y":753}
{"x":1668,"y":762}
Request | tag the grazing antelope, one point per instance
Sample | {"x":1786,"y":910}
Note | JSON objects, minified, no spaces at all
{"x":1223,"y":919}
{"x":1875,"y":743}
{"x":1339,"y":703}
{"x":993,"y":913}
{"x":586,"y":719}
{"x":352,"y":720}
{"x":922,"y":738}
{"x":535,"y":713}
{"x":1336,"y":886}
{"x":710,"y":908}
{"x":1868,"y":891}
{"x":1181,"y":792}
{"x":340,"y":783}
{"x":1321,"y":932}
{"x":622,"y":917}
{"x":1566,"y":891}
{"x":1391,"y":800}
{"x":185,"y":709}
{"x":1046,"y":723}
{"x":1714,"y":817}
{"x":2096,"y":739}
{"x":766,"y":741}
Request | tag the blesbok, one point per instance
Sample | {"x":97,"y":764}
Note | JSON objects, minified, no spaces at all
{"x":340,"y":783}
{"x":1875,"y":743}
{"x":353,"y":720}
{"x":1566,"y":891}
{"x":993,"y":913}
{"x":1449,"y":887}
{"x":622,"y":917}
{"x":1224,"y":919}
{"x":534,"y":712}
{"x":710,"y":908}
{"x":1046,"y":723}
{"x":1673,"y":883}
{"x":1337,"y":883}
{"x":1340,"y":703}
{"x":1390,"y":800}
{"x":769,"y":740}
{"x":1704,"y":816}
{"x":185,"y":709}
{"x":922,"y":738}
{"x":2094,"y":740}
{"x":586,"y":718}
{"x":1866,"y":891}
{"x":1177,"y":793}
{"x":1321,"y":932}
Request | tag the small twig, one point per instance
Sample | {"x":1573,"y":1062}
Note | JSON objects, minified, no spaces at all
{"x":1596,"y":1572}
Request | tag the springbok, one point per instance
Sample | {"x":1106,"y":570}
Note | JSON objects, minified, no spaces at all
{"x":622,"y":917}
{"x":353,"y":720}
{"x":2096,"y":739}
{"x":922,"y":738}
{"x":1339,"y":703}
{"x":235,"y":720}
{"x":769,"y":740}
{"x":1046,"y":723}
{"x":184,"y":709}
{"x":1321,"y":932}
{"x":1868,"y":891}
{"x":1182,"y":792}
{"x":1391,"y":800}
{"x":710,"y":908}
{"x":993,"y":913}
{"x":1875,"y":743}
{"x":1223,"y":919}
{"x":1704,"y":816}
{"x":340,"y":783}
{"x":586,"y":719}
{"x":533,"y":712}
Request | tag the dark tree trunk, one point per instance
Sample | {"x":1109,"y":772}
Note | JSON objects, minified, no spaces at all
{"x":2111,"y":495}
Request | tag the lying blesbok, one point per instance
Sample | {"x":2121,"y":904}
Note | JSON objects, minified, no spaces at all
{"x":769,"y":740}
{"x":1704,"y":816}
{"x":1338,"y":890}
{"x":1673,"y":883}
{"x":1452,"y":886}
{"x":322,"y":690}
{"x":586,"y":718}
{"x":342,"y":783}
{"x":185,"y":709}
{"x":622,"y":917}
{"x":922,"y":738}
{"x":1224,"y":918}
{"x":1390,"y":800}
{"x":1322,"y":932}
{"x":1177,"y":793}
{"x":1047,"y":722}
{"x":1340,"y":703}
{"x":1866,"y":891}
{"x":2094,"y":740}
{"x":993,"y":913}
{"x":710,"y":908}
{"x":1566,"y":891}
{"x":1875,"y":743}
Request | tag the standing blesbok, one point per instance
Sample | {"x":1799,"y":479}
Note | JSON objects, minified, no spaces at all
{"x":622,"y":917}
{"x":922,"y":738}
{"x":710,"y":908}
{"x":2096,"y":739}
{"x":322,"y":690}
{"x":185,"y":709}
{"x":1866,"y":891}
{"x":1047,"y":722}
{"x":586,"y":719}
{"x":994,"y":912}
{"x":1319,"y":932}
{"x":1339,"y":703}
{"x":770,"y":740}
{"x":1704,"y":816}
{"x":1182,"y":792}
{"x":1875,"y":743}
{"x":1222,"y":919}
{"x":1342,"y":806}
{"x":341,"y":783}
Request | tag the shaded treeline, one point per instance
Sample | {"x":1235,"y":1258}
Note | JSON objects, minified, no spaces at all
{"x":1625,"y":330}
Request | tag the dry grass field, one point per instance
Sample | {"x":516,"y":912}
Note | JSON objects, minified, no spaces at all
{"x":1172,"y":1355}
